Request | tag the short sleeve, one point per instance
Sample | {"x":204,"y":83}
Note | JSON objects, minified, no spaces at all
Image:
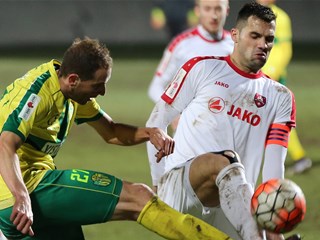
{"x":91,"y":111}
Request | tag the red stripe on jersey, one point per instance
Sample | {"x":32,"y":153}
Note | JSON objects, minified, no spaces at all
{"x":171,"y":47}
{"x":278,"y":134}
{"x":173,"y":89}
{"x":224,"y":35}
{"x":182,"y":36}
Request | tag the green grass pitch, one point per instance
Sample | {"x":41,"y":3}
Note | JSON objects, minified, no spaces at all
{"x":126,"y":101}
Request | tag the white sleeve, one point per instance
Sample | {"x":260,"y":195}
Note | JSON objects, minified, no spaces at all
{"x":274,"y":159}
{"x":161,"y":116}
{"x":156,"y":88}
{"x":167,"y":69}
{"x":159,"y":82}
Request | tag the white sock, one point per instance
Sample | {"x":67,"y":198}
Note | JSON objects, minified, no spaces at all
{"x":235,"y":198}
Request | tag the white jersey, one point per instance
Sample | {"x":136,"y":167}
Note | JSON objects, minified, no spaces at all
{"x":191,"y":43}
{"x":225,"y":108}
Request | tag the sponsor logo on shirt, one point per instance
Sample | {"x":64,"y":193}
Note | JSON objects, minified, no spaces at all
{"x":216,"y":105}
{"x":29,"y":107}
{"x":175,"y":85}
{"x":244,"y":115}
{"x":51,"y":148}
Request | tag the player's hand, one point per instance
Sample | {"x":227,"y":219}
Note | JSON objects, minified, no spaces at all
{"x":22,"y":216}
{"x":162,"y":142}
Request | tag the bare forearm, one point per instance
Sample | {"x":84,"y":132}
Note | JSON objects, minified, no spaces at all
{"x":9,"y":164}
{"x":21,"y":215}
{"x":10,"y":171}
{"x":128,"y":135}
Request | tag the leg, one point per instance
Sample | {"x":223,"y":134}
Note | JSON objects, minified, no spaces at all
{"x":63,"y":199}
{"x":220,"y":179}
{"x":138,"y":202}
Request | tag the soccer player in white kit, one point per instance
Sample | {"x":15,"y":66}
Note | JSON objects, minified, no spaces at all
{"x":208,"y":38}
{"x":228,"y":107}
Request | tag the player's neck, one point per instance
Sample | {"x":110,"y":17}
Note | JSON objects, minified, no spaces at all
{"x":240,"y":64}
{"x":217,"y":36}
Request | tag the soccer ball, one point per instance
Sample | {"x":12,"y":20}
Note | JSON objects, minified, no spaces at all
{"x":278,"y":205}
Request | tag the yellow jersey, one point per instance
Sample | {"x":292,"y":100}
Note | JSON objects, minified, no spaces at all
{"x":34,"y":108}
{"x":281,"y":52}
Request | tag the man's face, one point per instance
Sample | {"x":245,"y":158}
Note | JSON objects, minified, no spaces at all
{"x":85,"y":90}
{"x":212,"y":14}
{"x":253,"y":43}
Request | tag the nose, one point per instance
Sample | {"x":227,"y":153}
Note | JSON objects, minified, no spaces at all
{"x":103,"y":91}
{"x":214,"y":14}
{"x":263,"y":44}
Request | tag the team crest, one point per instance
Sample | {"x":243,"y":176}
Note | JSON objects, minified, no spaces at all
{"x":100,"y":179}
{"x":259,"y":100}
{"x":216,"y":104}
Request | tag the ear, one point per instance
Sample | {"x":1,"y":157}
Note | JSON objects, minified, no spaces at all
{"x":196,"y":10}
{"x":73,"y":80}
{"x":234,"y":34}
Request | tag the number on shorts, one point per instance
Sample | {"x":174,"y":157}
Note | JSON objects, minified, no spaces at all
{"x":79,"y":175}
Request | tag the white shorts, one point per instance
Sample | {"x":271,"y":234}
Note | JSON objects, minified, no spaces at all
{"x":174,"y":188}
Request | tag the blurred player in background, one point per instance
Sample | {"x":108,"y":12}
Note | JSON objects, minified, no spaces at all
{"x":276,"y":68}
{"x":174,"y":15}
{"x":208,"y":38}
{"x":227,"y":105}
{"x":36,"y":199}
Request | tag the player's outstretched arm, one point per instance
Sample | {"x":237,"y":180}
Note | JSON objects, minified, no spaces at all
{"x":22,"y":216}
{"x":126,"y":135}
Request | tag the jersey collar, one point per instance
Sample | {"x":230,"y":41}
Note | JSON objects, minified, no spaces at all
{"x":242,"y":73}
{"x":205,"y":35}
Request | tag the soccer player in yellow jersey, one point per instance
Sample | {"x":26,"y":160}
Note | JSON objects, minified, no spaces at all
{"x":37,"y":201}
{"x":276,"y":68}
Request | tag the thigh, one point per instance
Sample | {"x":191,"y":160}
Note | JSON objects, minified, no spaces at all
{"x":75,"y":197}
{"x":67,"y":199}
{"x":174,"y":189}
{"x":203,"y":173}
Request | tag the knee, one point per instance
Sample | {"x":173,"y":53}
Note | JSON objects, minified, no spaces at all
{"x":141,"y":193}
{"x":133,"y":198}
{"x":231,"y":155}
{"x":216,"y":161}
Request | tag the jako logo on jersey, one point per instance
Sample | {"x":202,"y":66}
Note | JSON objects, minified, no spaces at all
{"x":216,"y":105}
{"x":244,"y":115}
{"x":259,"y":100}
{"x":29,"y":107}
{"x":222,"y":84}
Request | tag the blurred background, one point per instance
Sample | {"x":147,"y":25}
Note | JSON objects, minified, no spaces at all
{"x":43,"y":23}
{"x":35,"y":31}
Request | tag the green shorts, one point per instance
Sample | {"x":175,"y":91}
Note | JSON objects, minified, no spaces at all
{"x":66,"y":199}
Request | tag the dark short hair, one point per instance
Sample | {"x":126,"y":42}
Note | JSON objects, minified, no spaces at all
{"x":85,"y":57}
{"x":255,"y":9}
